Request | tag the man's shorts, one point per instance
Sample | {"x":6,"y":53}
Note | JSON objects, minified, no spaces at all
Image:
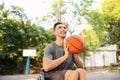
{"x":56,"y":75}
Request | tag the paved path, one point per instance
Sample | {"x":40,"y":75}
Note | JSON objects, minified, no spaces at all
{"x":90,"y":76}
{"x":20,"y":77}
{"x":103,"y":76}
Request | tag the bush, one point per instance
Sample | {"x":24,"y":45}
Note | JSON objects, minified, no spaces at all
{"x":113,"y":65}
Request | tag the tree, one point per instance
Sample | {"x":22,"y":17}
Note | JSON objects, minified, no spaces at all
{"x":107,"y":22}
{"x":97,"y":25}
{"x":91,"y":41}
{"x":60,"y":12}
{"x":18,"y":33}
{"x":80,"y":8}
{"x":110,"y":11}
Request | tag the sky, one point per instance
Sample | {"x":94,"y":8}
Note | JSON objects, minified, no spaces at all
{"x":39,"y":8}
{"x":33,"y":8}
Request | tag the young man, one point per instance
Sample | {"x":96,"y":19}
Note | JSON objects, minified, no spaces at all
{"x":58,"y":61}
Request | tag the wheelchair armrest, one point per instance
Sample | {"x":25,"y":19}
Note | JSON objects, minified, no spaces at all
{"x":42,"y":74}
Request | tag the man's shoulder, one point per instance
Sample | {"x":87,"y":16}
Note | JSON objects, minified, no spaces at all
{"x":50,"y":48}
{"x":51,"y":45}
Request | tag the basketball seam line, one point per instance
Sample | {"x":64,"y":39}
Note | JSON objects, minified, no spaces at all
{"x":78,"y":40}
{"x":73,"y":45}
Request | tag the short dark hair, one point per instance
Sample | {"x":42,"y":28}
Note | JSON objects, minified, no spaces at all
{"x":57,"y":23}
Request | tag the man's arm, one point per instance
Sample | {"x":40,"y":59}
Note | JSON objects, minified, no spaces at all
{"x":78,"y":61}
{"x":49,"y":64}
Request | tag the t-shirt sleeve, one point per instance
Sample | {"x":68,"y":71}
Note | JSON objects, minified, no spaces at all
{"x":48,"y":52}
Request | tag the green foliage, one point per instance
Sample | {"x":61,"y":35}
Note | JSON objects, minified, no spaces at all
{"x":7,"y":65}
{"x":113,"y":65}
{"x":106,"y":22}
{"x":18,"y":33}
{"x":81,"y":8}
{"x":96,"y":19}
{"x":58,"y":10}
{"x":91,"y":42}
{"x":90,"y":39}
{"x":110,"y":11}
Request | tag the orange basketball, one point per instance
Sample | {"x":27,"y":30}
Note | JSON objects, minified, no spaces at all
{"x":75,"y":44}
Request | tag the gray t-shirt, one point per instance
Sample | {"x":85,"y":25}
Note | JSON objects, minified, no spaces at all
{"x":53,"y":51}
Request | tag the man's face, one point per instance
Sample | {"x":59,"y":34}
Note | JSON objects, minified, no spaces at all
{"x":60,"y":31}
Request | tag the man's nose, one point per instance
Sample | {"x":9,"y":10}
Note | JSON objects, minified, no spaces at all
{"x":63,"y":28}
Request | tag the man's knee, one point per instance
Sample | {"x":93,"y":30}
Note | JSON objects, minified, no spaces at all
{"x":82,"y":74}
{"x":81,"y":70}
{"x":71,"y":74}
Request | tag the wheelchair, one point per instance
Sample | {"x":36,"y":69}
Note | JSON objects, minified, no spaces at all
{"x":42,"y":76}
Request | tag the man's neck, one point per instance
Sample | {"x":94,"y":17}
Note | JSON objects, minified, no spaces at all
{"x":59,"y":42}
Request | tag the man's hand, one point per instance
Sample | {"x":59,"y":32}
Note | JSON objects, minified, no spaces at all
{"x":66,"y":49}
{"x":78,"y":61}
{"x":76,"y":56}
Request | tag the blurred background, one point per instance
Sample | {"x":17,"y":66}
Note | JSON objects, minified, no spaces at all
{"x":27,"y":24}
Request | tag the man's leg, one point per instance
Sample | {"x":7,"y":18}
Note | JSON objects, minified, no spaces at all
{"x":82,"y":74}
{"x":71,"y":75}
{"x":57,"y":75}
